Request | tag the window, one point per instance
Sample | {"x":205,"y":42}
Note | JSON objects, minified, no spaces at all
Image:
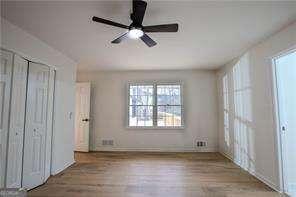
{"x":141,"y":105}
{"x":226,"y":109}
{"x":155,"y":106}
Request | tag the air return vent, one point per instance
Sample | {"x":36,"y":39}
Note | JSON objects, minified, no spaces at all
{"x":201,"y":143}
{"x":107,"y":142}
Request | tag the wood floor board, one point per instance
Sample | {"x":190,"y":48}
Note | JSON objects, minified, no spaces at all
{"x":142,"y":174}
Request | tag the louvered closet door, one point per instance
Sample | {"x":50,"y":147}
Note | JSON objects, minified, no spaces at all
{"x":5,"y":83}
{"x":17,"y":123}
{"x":35,"y":129}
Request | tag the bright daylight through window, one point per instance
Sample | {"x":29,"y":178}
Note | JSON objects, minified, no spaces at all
{"x":155,"y":105}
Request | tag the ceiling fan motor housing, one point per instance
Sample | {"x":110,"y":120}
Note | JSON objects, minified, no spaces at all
{"x":134,"y":23}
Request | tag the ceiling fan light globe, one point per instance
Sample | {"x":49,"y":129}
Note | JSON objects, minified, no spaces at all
{"x":135,"y":33}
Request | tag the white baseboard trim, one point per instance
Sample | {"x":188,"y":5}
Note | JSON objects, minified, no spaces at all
{"x":264,"y":180}
{"x":255,"y":174}
{"x":155,"y":149}
{"x":56,"y":171}
{"x":226,"y":155}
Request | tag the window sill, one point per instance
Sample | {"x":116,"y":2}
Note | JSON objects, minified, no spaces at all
{"x":155,"y":128}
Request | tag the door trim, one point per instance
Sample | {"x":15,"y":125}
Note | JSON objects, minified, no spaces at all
{"x":53,"y":121}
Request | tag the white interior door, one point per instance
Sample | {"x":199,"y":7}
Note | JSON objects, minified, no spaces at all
{"x":286,"y":84}
{"x":5,"y":85}
{"x":17,"y":123}
{"x":82,"y":117}
{"x":36,"y":126}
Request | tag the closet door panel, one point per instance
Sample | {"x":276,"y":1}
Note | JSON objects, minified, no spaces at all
{"x":49,"y":124}
{"x":36,"y":126}
{"x":17,"y":123}
{"x":5,"y":83}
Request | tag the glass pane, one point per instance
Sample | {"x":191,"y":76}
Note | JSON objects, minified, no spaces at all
{"x":144,"y":114}
{"x":177,"y":116}
{"x":169,"y":116}
{"x":176,"y":90}
{"x":133,"y":116}
{"x":140,"y":116}
{"x":141,"y":90}
{"x":141,"y":95}
{"x":133,"y":100}
{"x":176,"y":100}
{"x":150,"y":100}
{"x":163,"y":100}
{"x":168,"y":95}
{"x":133,"y":90}
{"x":161,"y":116}
{"x":142,"y":100}
{"x":226,"y":119}
{"x":150,"y":90}
{"x":145,"y":90}
{"x":149,"y":117}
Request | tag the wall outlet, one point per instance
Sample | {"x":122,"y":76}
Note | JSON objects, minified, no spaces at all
{"x":107,"y":142}
{"x":201,"y":144}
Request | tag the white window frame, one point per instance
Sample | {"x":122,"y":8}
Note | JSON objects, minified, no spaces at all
{"x":155,"y":127}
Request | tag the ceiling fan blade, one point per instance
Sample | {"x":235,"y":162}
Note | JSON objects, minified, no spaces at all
{"x":107,"y":22}
{"x":120,"y":38}
{"x":139,"y":8}
{"x":148,"y":41}
{"x":161,"y":28}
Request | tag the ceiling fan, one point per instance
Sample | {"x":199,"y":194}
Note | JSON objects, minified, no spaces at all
{"x":136,"y":30}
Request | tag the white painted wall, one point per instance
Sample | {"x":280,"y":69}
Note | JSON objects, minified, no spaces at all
{"x":253,"y":141}
{"x":108,"y":111}
{"x":15,"y":39}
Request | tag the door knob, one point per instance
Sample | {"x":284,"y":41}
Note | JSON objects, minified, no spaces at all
{"x":283,"y":128}
{"x":85,"y":120}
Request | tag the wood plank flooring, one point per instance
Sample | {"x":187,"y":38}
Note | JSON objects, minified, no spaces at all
{"x":139,"y":174}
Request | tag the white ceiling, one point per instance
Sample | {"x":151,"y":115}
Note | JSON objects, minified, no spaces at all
{"x":210,"y":33}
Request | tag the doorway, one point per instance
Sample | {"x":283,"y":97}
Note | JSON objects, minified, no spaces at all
{"x":285,"y":72}
{"x":82,"y":117}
